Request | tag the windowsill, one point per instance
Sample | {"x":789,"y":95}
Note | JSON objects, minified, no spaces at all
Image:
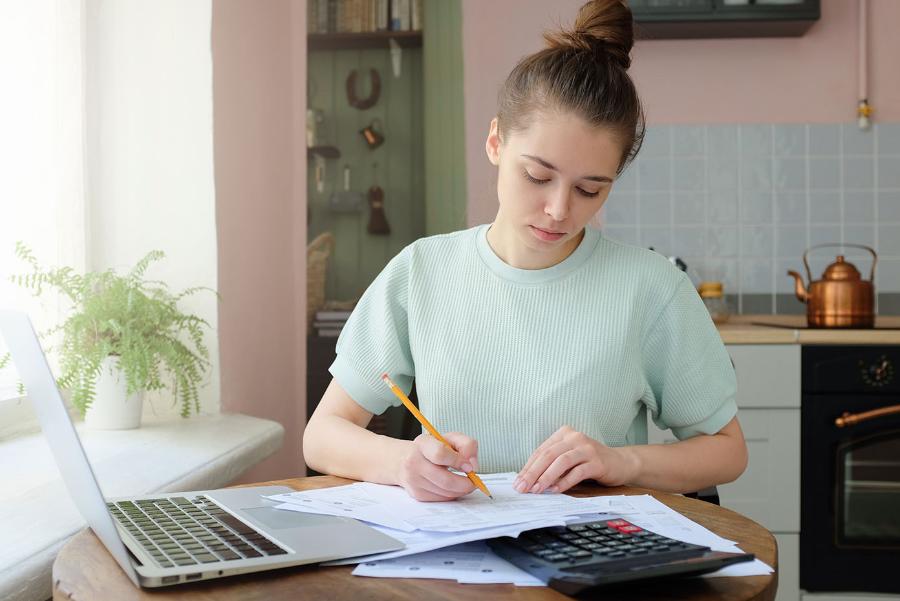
{"x":163,"y":455}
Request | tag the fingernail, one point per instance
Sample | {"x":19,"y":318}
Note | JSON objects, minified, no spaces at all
{"x":466,"y":468}
{"x":553,"y":489}
{"x":520,"y":486}
{"x":536,"y":488}
{"x":517,"y":483}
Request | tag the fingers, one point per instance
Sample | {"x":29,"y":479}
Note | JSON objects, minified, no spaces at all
{"x":426,"y":477}
{"x":554,"y":438}
{"x":466,"y":448}
{"x":528,"y":481}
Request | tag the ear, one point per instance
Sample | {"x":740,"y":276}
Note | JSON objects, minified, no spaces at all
{"x":492,"y":145}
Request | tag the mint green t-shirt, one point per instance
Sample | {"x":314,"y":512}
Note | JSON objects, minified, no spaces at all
{"x":508,"y":356}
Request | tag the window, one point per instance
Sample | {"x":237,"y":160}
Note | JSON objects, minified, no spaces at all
{"x":42,"y":188}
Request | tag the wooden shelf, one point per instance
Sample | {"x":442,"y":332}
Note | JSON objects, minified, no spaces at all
{"x":362,"y":41}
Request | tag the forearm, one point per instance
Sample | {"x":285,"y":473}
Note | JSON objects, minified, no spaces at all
{"x":333,"y":445}
{"x":689,"y":465}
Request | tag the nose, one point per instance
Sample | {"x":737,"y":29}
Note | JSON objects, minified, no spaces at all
{"x":557,"y":206}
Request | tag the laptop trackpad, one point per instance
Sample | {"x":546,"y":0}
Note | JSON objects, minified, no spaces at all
{"x":281,"y":518}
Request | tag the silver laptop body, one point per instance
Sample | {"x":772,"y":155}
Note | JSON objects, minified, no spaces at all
{"x":212,"y":533}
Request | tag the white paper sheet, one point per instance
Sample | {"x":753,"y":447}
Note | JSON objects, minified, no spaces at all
{"x":468,"y":563}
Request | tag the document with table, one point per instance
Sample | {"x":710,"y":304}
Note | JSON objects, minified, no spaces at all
{"x":444,"y":539}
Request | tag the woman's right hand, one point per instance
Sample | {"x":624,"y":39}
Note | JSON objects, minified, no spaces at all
{"x":423,"y":469}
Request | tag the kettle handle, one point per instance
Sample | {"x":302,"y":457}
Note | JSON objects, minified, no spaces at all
{"x":832,"y":244}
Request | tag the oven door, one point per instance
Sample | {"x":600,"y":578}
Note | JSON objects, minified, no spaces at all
{"x":850,"y":493}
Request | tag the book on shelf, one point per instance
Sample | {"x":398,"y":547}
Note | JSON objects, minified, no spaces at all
{"x":328,"y":332}
{"x":329,"y":324}
{"x":327,"y":315}
{"x":363,"y":16}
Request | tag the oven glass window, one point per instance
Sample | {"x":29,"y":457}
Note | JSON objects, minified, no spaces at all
{"x":869,"y":492}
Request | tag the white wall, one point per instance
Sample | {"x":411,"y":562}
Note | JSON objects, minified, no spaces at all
{"x":150,"y":158}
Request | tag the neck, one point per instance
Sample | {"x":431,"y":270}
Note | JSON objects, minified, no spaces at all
{"x":512,"y":250}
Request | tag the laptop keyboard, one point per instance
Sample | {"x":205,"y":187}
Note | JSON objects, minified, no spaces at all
{"x":177,"y":531}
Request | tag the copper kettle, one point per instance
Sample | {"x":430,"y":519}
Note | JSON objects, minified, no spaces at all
{"x":841,"y":299}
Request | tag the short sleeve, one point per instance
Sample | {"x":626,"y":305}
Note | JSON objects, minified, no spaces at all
{"x":691,"y":385}
{"x":375,"y":340}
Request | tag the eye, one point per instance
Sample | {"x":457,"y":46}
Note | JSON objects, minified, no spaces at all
{"x":587,"y":194}
{"x":533,"y":180}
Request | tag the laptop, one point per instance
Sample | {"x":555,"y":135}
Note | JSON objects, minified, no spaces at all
{"x":166,"y":539}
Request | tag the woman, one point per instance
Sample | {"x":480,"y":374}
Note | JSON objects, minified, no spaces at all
{"x":537,"y":343}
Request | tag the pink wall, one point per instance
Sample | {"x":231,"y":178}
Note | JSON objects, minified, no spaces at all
{"x":259,"y":91}
{"x":812,"y":78}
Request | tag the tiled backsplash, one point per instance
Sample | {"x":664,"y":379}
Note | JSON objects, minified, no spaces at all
{"x":740,"y":203}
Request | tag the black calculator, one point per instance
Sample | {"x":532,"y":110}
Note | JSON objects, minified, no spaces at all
{"x":580,"y":556}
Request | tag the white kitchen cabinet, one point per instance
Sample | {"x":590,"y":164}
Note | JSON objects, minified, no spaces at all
{"x":768,"y":375}
{"x":788,"y":567}
{"x":768,"y":491}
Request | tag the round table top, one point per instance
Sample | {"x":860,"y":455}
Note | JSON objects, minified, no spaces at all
{"x":84,"y":570}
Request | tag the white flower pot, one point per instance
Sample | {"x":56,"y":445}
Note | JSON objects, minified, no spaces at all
{"x":111,"y":409}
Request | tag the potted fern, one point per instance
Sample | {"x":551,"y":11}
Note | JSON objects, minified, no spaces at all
{"x":125,"y":336}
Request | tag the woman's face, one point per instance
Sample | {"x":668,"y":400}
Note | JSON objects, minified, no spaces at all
{"x":552,"y":178}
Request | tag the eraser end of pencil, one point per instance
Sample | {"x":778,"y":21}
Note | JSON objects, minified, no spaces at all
{"x":384,"y":376}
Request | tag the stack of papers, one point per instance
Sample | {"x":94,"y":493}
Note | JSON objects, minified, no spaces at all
{"x":441,"y":537}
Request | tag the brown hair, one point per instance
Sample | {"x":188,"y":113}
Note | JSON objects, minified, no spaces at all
{"x":583,"y":70}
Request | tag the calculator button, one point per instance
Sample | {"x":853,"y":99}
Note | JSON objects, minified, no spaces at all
{"x":557,"y":557}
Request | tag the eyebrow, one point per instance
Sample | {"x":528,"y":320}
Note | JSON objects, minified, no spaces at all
{"x":596,"y":178}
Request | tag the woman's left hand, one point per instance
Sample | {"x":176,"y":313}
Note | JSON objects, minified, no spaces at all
{"x":568,"y":457}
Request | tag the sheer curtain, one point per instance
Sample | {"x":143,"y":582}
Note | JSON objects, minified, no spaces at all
{"x":42,"y":175}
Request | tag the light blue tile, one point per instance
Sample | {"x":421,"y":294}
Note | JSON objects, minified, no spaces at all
{"x":722,"y":140}
{"x":889,"y":240}
{"x":654,"y":174}
{"x":790,"y":240}
{"x":657,"y":142}
{"x":824,"y":173}
{"x":660,"y":238}
{"x":722,"y":206}
{"x":756,"y":207}
{"x":625,"y":234}
{"x":859,"y":173}
{"x":689,"y":241}
{"x":723,"y":270}
{"x":824,"y":140}
{"x":756,"y":174}
{"x":790,"y":140}
{"x":784,"y":284}
{"x":856,"y":141}
{"x":824,"y":234}
{"x":689,"y":208}
{"x":688,"y":140}
{"x":790,"y":174}
{"x":621,"y":209}
{"x":888,"y":205}
{"x":757,"y":276}
{"x":859,"y":206}
{"x":655,"y":208}
{"x":689,"y":174}
{"x":790,"y":207}
{"x":888,"y":138}
{"x":627,"y":180}
{"x":756,"y":140}
{"x":887,"y":276}
{"x":722,"y":173}
{"x":757,"y":241}
{"x":889,"y":172}
{"x":864,"y":235}
{"x":722,"y":241}
{"x":824,"y":206}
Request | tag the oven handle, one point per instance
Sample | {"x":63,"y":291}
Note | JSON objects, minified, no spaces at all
{"x":851,"y":419}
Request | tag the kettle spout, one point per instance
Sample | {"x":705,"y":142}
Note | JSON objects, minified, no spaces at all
{"x":799,"y":288}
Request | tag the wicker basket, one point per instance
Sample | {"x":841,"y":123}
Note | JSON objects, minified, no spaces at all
{"x":317,"y":254}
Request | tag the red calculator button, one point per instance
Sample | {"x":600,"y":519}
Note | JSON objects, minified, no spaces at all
{"x":617,"y":523}
{"x":628,"y":529}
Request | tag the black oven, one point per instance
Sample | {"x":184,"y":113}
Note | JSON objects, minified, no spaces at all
{"x":850,"y":469}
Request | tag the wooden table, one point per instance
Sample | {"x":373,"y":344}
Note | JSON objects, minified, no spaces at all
{"x":84,"y":570}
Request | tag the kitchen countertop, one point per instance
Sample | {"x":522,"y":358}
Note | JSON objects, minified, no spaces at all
{"x":743,"y":329}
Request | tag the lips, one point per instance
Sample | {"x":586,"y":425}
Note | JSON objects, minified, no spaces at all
{"x":546,"y":235}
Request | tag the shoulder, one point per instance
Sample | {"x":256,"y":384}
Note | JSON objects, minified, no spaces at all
{"x":640,"y":265}
{"x":441,"y":248}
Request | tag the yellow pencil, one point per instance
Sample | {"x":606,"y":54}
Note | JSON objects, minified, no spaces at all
{"x":431,"y":430}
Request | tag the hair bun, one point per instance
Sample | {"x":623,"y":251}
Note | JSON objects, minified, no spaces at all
{"x":603,"y":27}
